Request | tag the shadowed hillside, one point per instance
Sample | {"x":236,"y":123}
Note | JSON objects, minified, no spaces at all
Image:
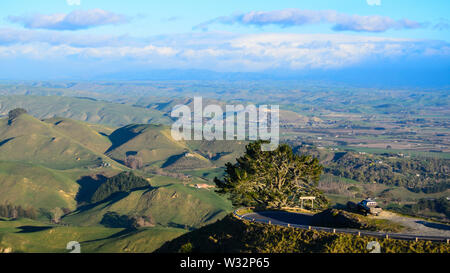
{"x":151,"y":143}
{"x":154,"y":145}
{"x":172,"y":205}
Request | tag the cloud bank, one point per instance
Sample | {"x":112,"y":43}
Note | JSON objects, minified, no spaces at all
{"x":297,"y":17}
{"x":76,"y":20}
{"x":217,"y":51}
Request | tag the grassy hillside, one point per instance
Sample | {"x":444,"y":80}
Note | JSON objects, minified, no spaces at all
{"x":55,"y":139}
{"x":43,"y":163}
{"x":141,"y":241}
{"x":95,"y":137}
{"x":83,"y":109}
{"x":287,"y":117}
{"x":35,"y":186}
{"x":231,"y":235}
{"x":172,"y":205}
{"x":52,"y":163}
{"x":151,"y":143}
{"x":27,"y":139}
{"x":220,"y":151}
{"x":31,"y":236}
{"x":156,"y":147}
{"x":187,"y":161}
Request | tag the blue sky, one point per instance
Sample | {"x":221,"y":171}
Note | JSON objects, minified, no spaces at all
{"x":73,"y":38}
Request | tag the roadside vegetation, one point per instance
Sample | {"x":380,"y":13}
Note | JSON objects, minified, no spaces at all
{"x":343,"y":219}
{"x":231,"y":235}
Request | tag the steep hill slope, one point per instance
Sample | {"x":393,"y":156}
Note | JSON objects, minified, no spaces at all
{"x":59,"y":145}
{"x":172,"y":205}
{"x":34,"y":186}
{"x":91,"y":136}
{"x":152,"y":143}
{"x":156,"y":147}
{"x":41,"y":161}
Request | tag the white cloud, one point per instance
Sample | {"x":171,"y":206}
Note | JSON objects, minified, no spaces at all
{"x":374,"y":2}
{"x":73,"y":2}
{"x":297,"y":17}
{"x":76,"y":20}
{"x":217,"y":51}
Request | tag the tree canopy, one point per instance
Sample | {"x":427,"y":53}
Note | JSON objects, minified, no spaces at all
{"x":15,"y":113}
{"x":123,"y":182}
{"x":271,"y":179}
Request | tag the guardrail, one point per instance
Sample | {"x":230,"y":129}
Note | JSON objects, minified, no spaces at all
{"x":382,"y":235}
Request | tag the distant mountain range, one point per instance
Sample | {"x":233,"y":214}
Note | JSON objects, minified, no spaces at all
{"x":400,"y":74}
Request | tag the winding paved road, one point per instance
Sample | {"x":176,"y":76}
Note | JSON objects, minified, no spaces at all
{"x":304,"y":221}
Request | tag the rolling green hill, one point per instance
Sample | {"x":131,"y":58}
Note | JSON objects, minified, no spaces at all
{"x":93,"y":136}
{"x":151,"y":143}
{"x":187,"y":161}
{"x":53,"y":145}
{"x":287,"y":117}
{"x":50,"y":163}
{"x":27,"y":139}
{"x":30,"y":236}
{"x":219,"y":151}
{"x":35,"y":186}
{"x":142,"y":241}
{"x":170,"y":205}
{"x":41,"y":161}
{"x":145,"y":110}
{"x":156,"y":147}
{"x":83,"y":109}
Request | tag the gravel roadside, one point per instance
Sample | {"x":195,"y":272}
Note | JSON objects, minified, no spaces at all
{"x":416,"y":225}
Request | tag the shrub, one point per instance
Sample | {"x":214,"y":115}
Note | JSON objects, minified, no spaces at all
{"x":13,"y":114}
{"x":186,"y":248}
